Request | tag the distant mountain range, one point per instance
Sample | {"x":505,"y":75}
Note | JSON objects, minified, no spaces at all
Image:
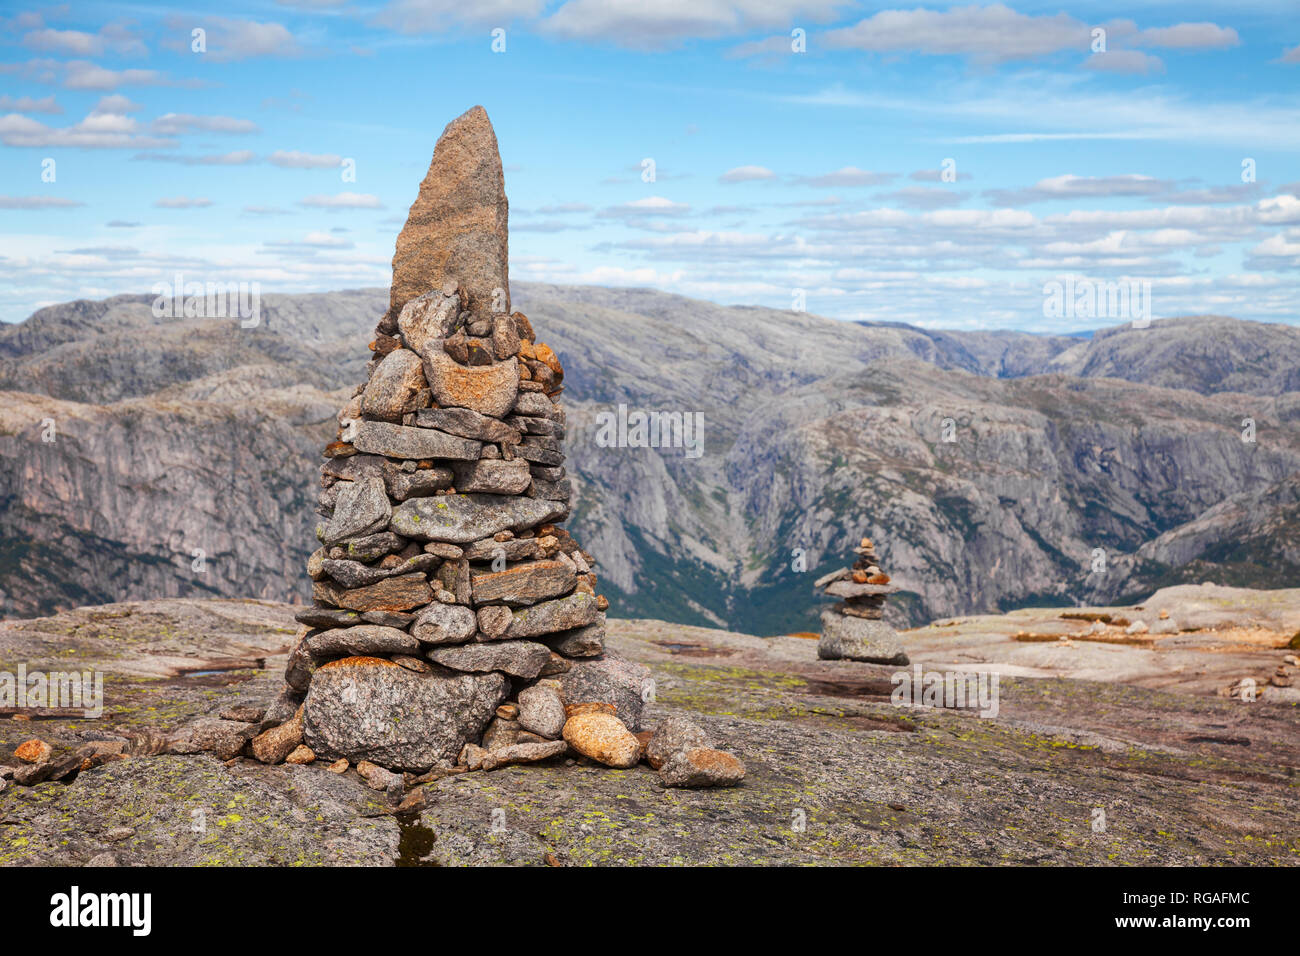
{"x":989,"y":467}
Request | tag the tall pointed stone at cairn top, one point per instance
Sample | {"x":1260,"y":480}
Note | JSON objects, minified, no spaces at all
{"x":457,"y":226}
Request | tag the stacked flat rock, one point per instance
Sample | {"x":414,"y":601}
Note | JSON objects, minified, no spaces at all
{"x":855,"y":628}
{"x":448,"y":607}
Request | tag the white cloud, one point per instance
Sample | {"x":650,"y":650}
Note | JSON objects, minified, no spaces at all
{"x":106,"y":127}
{"x":650,"y":206}
{"x":848,"y":176}
{"x":746,"y":174}
{"x":239,"y":157}
{"x":26,"y":104}
{"x":665,"y":23}
{"x":1189,"y":36}
{"x":438,"y":16}
{"x":172,"y":124}
{"x":1124,"y":61}
{"x":1073,"y":187}
{"x":343,"y":200}
{"x":292,"y":159}
{"x":182,"y":202}
{"x":37,"y":202}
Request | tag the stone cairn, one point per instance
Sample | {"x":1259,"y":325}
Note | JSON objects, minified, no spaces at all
{"x":454,"y":625}
{"x":855,"y":628}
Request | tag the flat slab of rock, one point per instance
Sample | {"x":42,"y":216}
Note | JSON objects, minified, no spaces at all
{"x":523,"y":659}
{"x":859,"y":639}
{"x":548,"y":617}
{"x":468,"y":424}
{"x":366,"y":708}
{"x":392,"y":594}
{"x":849,"y":589}
{"x":586,"y":641}
{"x":363,"y":640}
{"x":457,"y":227}
{"x":460,"y":519}
{"x":524,"y":584}
{"x":403,"y":441}
{"x":494,"y":476}
{"x":362,"y":508}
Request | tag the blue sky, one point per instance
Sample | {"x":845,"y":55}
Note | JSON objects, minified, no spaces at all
{"x":774,"y":170}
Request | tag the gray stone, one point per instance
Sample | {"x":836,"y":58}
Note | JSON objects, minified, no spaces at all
{"x":702,"y":767}
{"x":541,"y":710}
{"x":445,"y":624}
{"x":460,"y":519}
{"x":433,"y":315}
{"x":563,"y":614}
{"x":362,"y":509}
{"x":493,"y":476}
{"x":859,"y":639}
{"x":354,"y":574}
{"x":586,"y":641}
{"x":372,"y":547}
{"x":467,"y":424}
{"x":541,"y":449}
{"x":671,"y":736}
{"x":225,"y":739}
{"x":515,"y":549}
{"x":535,"y":405}
{"x":363,"y":640}
{"x":401,"y":441}
{"x":523,"y":659}
{"x":610,"y":681}
{"x":323,"y":617}
{"x":477,"y":758}
{"x":418,"y":484}
{"x":395,"y":388}
{"x":370,"y":709}
{"x":850,"y":589}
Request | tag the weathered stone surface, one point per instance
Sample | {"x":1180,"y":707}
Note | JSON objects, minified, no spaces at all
{"x":225,"y":739}
{"x":362,"y":509}
{"x":456,"y":229}
{"x":467,"y":424}
{"x":702,"y":767}
{"x":586,"y":641}
{"x":487,"y":389}
{"x":562,"y":614}
{"x":432,"y":315}
{"x":445,"y":624}
{"x":523,"y":659}
{"x":370,"y":709}
{"x":243,"y":713}
{"x":611,"y":681}
{"x":392,"y":594}
{"x":859,"y":639}
{"x":671,"y":736}
{"x":401,"y":441}
{"x":323,"y":617}
{"x":273,"y":745}
{"x":541,"y":710}
{"x":604,"y":738}
{"x":371,"y":547}
{"x":515,"y":549}
{"x":494,"y":620}
{"x":460,"y":519}
{"x":849,"y":589}
{"x":33,"y":751}
{"x":354,"y":574}
{"x":541,"y":449}
{"x":418,"y":484}
{"x":398,"y":619}
{"x":394,"y":389}
{"x":361,"y":641}
{"x":536,"y":405}
{"x":493,"y":476}
{"x":523,"y":584}
{"x":302,"y":754}
{"x":478,"y":758}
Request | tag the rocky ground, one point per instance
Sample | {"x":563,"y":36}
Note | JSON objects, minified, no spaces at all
{"x":1131,"y":724}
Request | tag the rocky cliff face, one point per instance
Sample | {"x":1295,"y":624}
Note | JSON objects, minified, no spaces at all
{"x":988,"y":467}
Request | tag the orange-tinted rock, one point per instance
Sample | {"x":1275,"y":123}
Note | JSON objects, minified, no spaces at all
{"x":401,"y":593}
{"x":457,"y":225}
{"x":488,"y":389}
{"x":604,"y":738}
{"x":702,"y":767}
{"x":33,"y":751}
